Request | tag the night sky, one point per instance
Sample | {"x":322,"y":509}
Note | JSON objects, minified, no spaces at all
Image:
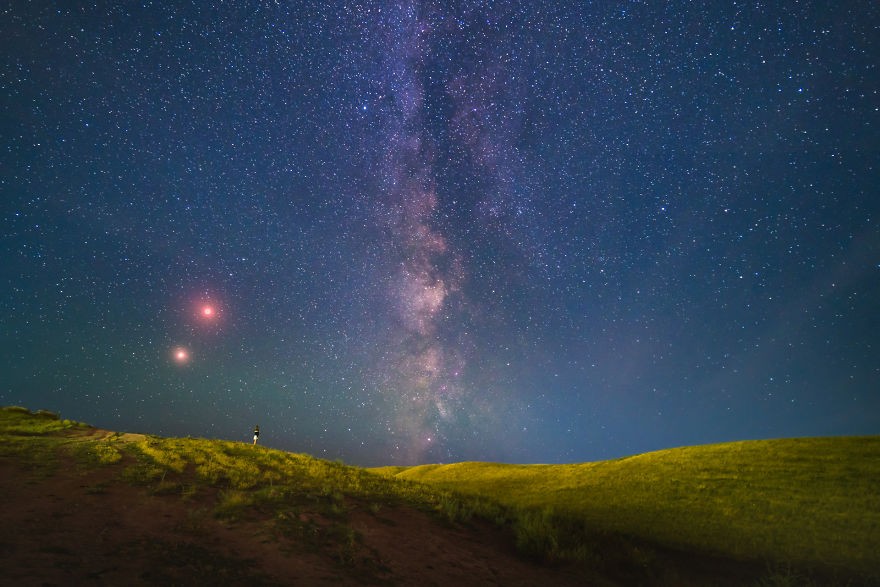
{"x":404,"y":232}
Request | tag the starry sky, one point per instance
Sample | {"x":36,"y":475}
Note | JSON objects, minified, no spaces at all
{"x":412,"y":231}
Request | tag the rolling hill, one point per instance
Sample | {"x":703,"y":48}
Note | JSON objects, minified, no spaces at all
{"x":809,"y":502}
{"x":84,"y":505}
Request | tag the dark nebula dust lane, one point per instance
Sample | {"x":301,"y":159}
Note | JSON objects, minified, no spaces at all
{"x":408,"y":232}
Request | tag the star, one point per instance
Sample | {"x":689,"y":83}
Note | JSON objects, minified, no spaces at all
{"x":445,"y":221}
{"x":180,"y":355}
{"x":207,"y":311}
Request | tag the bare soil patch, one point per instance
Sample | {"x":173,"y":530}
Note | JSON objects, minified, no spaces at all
{"x":87,"y":527}
{"x":84,"y":525}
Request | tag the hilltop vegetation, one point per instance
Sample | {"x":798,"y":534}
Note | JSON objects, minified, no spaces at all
{"x":782,"y":512}
{"x":349,"y":525}
{"x":811,"y":502}
{"x":247,"y":475}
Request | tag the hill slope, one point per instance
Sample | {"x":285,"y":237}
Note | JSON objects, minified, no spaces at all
{"x":811,"y":502}
{"x":89,"y":506}
{"x":83,"y":505}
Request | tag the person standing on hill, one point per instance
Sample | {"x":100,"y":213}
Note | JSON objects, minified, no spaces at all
{"x":256,"y":434}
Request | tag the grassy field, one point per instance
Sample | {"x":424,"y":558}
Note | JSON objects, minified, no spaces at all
{"x":812,"y":502}
{"x":794,"y":507}
{"x":297,"y":499}
{"x":247,"y":476}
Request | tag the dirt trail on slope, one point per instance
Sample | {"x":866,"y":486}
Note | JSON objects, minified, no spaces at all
{"x":87,"y":527}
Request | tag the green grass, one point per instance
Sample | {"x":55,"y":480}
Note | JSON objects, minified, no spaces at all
{"x":32,"y":438}
{"x":303,"y":501}
{"x":18,"y":421}
{"x":812,"y":502}
{"x":244,"y":475}
{"x":796,"y":505}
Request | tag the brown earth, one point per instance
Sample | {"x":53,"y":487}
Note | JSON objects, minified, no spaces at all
{"x":86,"y":526}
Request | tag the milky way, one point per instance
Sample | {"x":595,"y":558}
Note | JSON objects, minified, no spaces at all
{"x":425,"y":231}
{"x":425,"y":356}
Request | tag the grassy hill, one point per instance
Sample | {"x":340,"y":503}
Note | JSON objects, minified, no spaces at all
{"x":82,"y":505}
{"x":812,"y":502}
{"x":87,"y":505}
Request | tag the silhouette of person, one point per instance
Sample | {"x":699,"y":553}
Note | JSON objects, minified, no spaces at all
{"x":256,"y":434}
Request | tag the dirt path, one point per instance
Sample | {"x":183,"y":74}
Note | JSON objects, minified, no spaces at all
{"x":99,"y":434}
{"x":76,"y":526}
{"x":79,"y":527}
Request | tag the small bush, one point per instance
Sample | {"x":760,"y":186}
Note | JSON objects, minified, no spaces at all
{"x":784,"y":576}
{"x":105,"y":453}
{"x":231,"y":504}
{"x":142,"y":473}
{"x":454,"y":510}
{"x":536,"y":533}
